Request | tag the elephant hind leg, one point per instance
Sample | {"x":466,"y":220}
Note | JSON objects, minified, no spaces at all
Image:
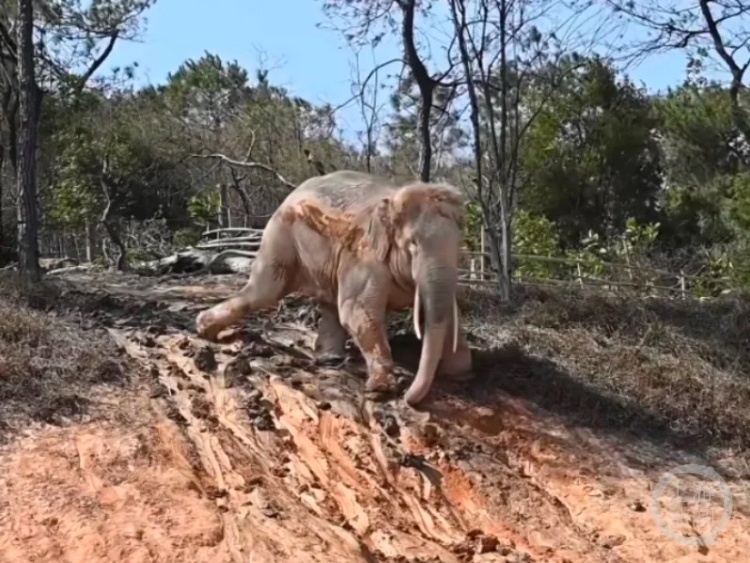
{"x":331,"y":340}
{"x":272,"y":276}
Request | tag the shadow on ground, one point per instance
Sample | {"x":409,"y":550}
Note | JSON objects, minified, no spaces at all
{"x":667,"y":372}
{"x":545,"y":384}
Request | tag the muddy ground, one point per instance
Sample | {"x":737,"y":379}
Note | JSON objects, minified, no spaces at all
{"x":181,"y":450}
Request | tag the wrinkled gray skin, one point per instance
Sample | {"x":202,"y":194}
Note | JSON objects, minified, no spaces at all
{"x":374,"y":247}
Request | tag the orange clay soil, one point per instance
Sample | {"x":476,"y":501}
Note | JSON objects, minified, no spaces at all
{"x":247,"y":451}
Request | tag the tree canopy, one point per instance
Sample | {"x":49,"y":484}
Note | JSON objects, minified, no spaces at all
{"x":556,"y":146}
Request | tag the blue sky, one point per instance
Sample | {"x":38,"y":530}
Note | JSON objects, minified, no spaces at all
{"x":311,"y":62}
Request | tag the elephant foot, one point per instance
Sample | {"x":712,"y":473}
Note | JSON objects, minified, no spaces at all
{"x":457,"y":366}
{"x":207,"y":327}
{"x":381,"y":384}
{"x":458,"y":377}
{"x":209,"y":323}
{"x":330,"y":343}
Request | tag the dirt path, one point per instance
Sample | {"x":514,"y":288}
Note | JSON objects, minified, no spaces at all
{"x":247,"y":451}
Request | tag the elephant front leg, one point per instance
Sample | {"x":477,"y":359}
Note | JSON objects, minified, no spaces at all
{"x":330,"y":344}
{"x":262,"y":291}
{"x":362,"y":310}
{"x":272,"y":276}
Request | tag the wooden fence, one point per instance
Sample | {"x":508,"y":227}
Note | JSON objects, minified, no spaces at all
{"x":476,"y":269}
{"x":248,"y":239}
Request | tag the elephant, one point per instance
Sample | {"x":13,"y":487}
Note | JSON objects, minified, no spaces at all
{"x":360,"y":246}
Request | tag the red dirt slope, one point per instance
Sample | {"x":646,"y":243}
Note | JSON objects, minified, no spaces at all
{"x":248,"y":451}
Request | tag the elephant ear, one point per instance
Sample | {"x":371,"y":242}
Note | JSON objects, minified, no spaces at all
{"x":449,"y":202}
{"x":377,"y":226}
{"x":442,"y":199}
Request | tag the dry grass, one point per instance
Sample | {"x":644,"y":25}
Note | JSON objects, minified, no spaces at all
{"x":49,"y":367}
{"x":668,"y":367}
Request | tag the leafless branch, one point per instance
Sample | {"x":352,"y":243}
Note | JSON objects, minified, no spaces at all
{"x":247,"y":164}
{"x":373,"y":73}
{"x":98,"y":61}
{"x":700,"y":30}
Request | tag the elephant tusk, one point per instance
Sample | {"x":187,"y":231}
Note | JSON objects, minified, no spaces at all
{"x":416,"y":314}
{"x":455,"y":325}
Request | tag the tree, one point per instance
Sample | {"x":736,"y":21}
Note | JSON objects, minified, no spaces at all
{"x":65,"y":28}
{"x":28,"y":110}
{"x":108,"y":172}
{"x":591,"y":158}
{"x":706,"y":166}
{"x":254,"y":133}
{"x":709,"y":31}
{"x":503,"y":51}
{"x":362,"y":18}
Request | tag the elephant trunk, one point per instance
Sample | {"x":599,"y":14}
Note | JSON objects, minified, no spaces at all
{"x":436,"y":291}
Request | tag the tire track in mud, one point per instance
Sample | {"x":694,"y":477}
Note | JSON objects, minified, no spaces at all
{"x":300,"y":479}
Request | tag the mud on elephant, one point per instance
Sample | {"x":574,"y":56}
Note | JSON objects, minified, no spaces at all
{"x":362,"y":246}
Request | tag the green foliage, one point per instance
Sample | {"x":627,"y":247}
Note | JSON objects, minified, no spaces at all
{"x":706,"y":165}
{"x":699,"y":134}
{"x":590,"y":259}
{"x":638,"y":239}
{"x":205,"y":206}
{"x":204,"y":91}
{"x":537,"y":236}
{"x":78,"y":193}
{"x":590,"y":155}
{"x":473,"y":229}
{"x":739,"y":203}
{"x":186,"y":237}
{"x":716,"y":275}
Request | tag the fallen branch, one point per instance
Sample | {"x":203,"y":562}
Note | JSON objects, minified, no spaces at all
{"x":194,"y":260}
{"x":71,"y":269}
{"x":231,"y":243}
{"x":233,"y":252}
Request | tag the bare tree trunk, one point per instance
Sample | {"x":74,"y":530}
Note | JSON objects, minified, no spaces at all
{"x":492,"y":197}
{"x":110,"y":226}
{"x":29,"y":97}
{"x":738,"y":112}
{"x":2,"y":214}
{"x":505,"y":211}
{"x":426,"y":86}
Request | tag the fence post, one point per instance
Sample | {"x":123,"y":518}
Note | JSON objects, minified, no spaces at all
{"x":628,"y":267}
{"x":482,"y":249}
{"x":683,"y":284}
